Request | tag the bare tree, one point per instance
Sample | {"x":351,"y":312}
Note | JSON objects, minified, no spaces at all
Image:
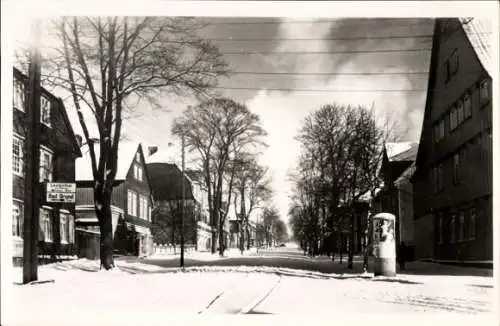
{"x":110,"y":64}
{"x":341,"y":152}
{"x":217,"y":131}
{"x":253,"y":188}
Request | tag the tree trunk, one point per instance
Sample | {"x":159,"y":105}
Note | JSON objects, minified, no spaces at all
{"x":221,"y":240}
{"x":103,"y":213}
{"x":351,"y":243}
{"x":248,"y":236}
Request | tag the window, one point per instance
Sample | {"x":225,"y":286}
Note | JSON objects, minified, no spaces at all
{"x":453,"y":118}
{"x":71,"y":228}
{"x":484,"y":91}
{"x":460,"y":112}
{"x":439,"y":130}
{"x":18,"y":96}
{"x":434,"y":179}
{"x":138,"y":157}
{"x":45,"y":233}
{"x":440,"y":229}
{"x":18,"y":156}
{"x":453,"y":228}
{"x":45,"y":165}
{"x":137,"y":172}
{"x":451,"y":65}
{"x":467,"y":106}
{"x":472,"y":224}
{"x":143,"y":207}
{"x":45,"y":111}
{"x":149,"y":214}
{"x":440,"y":177}
{"x":17,"y":218}
{"x":132,"y":203}
{"x":461,"y":226}
{"x":456,"y":167}
{"x":63,"y":227}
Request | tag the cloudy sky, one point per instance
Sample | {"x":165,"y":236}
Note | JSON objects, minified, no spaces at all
{"x":325,"y":61}
{"x":289,"y":67}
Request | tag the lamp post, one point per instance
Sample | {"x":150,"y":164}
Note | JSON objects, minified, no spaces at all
{"x":183,"y":203}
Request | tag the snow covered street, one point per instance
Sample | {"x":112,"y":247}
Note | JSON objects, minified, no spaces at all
{"x":85,"y":293}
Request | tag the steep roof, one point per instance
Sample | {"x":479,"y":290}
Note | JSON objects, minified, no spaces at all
{"x":166,"y":182}
{"x":476,"y":30}
{"x":410,"y":154}
{"x":402,"y":151}
{"x":126,"y":155}
{"x":21,"y":76}
{"x":406,"y":175}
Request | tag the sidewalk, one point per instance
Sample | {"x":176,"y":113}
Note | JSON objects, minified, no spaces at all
{"x":203,"y":255}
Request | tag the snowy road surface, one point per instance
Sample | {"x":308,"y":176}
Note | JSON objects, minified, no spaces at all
{"x":84,"y":293}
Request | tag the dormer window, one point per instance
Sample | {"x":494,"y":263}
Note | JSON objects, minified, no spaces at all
{"x":137,"y":172}
{"x":18,"y":96}
{"x":45,"y":111}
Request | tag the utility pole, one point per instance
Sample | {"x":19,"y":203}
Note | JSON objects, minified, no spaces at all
{"x":32,"y":163}
{"x":183,"y":205}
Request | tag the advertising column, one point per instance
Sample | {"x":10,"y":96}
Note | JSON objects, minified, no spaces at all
{"x":384,"y":245}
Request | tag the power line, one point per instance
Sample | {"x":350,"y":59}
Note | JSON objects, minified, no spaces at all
{"x":331,"y":73}
{"x":323,"y":90}
{"x":327,"y":52}
{"x":231,"y":39}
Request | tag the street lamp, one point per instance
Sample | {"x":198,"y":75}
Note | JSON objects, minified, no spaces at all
{"x":183,"y":203}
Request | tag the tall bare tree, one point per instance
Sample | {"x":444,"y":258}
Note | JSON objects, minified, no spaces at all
{"x":253,"y":188}
{"x":341,"y":153}
{"x":217,"y":131}
{"x":110,"y":64}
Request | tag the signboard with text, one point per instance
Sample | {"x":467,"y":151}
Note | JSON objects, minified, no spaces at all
{"x":61,"y":192}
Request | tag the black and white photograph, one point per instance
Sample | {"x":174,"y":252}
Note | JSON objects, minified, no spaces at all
{"x":248,"y":158}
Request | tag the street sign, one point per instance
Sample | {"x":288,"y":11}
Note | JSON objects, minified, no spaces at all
{"x":61,"y":192}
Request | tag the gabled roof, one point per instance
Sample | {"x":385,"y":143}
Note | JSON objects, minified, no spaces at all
{"x":410,"y":154}
{"x":475,"y":29}
{"x":402,"y":151}
{"x":126,"y":155}
{"x":406,"y":175}
{"x":18,"y":74}
{"x":166,"y":182}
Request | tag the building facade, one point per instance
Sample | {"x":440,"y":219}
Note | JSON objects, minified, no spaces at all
{"x":131,"y":204}
{"x":396,"y":195}
{"x":58,"y":151}
{"x":453,"y":177}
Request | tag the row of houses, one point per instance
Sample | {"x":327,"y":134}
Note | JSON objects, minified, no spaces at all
{"x":440,"y":189}
{"x":144,"y":183}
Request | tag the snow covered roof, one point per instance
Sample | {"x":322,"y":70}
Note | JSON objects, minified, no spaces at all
{"x":166,"y":182}
{"x":406,"y":175}
{"x":476,"y":30}
{"x":403,"y":151}
{"x":126,"y":155}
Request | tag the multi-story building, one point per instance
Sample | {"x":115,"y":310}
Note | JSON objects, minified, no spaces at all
{"x":58,"y":151}
{"x":395,"y":196}
{"x":200,"y":194}
{"x":166,"y":184}
{"x":453,"y":177}
{"x":131,"y":203}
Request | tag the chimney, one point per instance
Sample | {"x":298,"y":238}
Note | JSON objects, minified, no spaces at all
{"x":152,"y":150}
{"x":78,"y":140}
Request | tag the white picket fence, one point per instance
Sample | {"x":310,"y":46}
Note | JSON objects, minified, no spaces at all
{"x":169,"y":249}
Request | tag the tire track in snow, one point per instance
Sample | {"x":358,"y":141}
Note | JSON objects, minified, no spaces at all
{"x":258,"y":301}
{"x":448,"y":304}
{"x":246,"y":294}
{"x":217,"y":297}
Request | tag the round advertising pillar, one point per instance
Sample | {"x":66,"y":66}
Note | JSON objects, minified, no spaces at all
{"x":384,"y":244}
